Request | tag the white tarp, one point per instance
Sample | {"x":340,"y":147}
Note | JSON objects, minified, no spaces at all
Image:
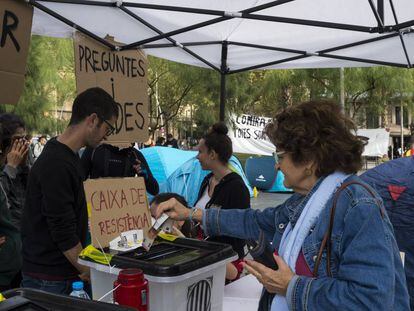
{"x":302,"y":40}
{"x":247,"y":134}
{"x":378,"y":142}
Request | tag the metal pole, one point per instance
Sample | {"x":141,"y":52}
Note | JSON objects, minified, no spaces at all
{"x":342,"y":88}
{"x":224,"y":70}
{"x":402,"y":129}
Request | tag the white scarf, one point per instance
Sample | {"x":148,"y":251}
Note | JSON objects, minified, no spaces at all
{"x":293,"y":238}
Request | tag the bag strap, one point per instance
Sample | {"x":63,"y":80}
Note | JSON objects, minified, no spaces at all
{"x":326,"y":242}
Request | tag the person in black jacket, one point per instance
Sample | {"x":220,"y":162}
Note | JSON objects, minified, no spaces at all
{"x":110,"y":161}
{"x":171,"y":142}
{"x":55,"y":217}
{"x":14,"y":129}
{"x":222,"y":188}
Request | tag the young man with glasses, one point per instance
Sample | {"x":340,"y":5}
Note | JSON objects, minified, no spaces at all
{"x":55,"y":220}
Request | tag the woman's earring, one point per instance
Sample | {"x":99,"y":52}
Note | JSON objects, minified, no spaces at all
{"x":308,"y":172}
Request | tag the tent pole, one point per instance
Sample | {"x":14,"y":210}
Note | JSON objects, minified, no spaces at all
{"x":224,"y":70}
{"x":380,"y":9}
{"x":342,"y":87}
{"x":402,"y":128}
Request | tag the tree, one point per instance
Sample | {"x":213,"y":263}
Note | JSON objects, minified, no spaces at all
{"x":49,"y":83}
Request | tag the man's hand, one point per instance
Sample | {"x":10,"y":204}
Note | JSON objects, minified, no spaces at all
{"x":72,"y":256}
{"x":137,"y":167}
{"x":275,"y":281}
{"x":86,"y":274}
{"x":17,"y":154}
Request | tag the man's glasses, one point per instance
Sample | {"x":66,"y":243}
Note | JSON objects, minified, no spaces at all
{"x":277,"y":155}
{"x":111,"y":128}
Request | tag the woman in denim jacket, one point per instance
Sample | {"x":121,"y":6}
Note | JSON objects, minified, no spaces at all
{"x":333,"y":242}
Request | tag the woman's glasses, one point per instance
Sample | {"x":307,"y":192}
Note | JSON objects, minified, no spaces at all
{"x":277,"y":157}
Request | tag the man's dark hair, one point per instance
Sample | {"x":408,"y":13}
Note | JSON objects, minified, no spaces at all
{"x":93,"y":100}
{"x":170,"y":136}
{"x":9,"y":125}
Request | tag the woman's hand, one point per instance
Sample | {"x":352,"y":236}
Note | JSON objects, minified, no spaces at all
{"x":275,"y":281}
{"x":174,"y":209}
{"x":17,"y":154}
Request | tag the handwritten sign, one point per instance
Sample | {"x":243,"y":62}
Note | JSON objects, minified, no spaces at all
{"x":16,"y":25}
{"x":248,"y":136}
{"x":116,"y":205}
{"x":124,"y":76}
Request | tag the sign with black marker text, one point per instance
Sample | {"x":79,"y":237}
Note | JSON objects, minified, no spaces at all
{"x":247,"y":134}
{"x":124,"y":76}
{"x":16,"y":24}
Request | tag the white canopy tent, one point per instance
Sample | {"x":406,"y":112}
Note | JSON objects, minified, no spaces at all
{"x":232,"y":36}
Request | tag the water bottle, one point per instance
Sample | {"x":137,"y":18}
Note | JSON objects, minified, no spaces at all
{"x":77,"y":290}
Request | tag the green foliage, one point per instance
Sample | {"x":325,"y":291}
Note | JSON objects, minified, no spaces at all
{"x":49,"y":83}
{"x":176,"y":89}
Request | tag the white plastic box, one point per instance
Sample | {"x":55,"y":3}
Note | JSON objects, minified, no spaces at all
{"x":199,"y":290}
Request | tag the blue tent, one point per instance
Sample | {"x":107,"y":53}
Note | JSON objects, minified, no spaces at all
{"x":394,"y":181}
{"x":163,"y":161}
{"x":261,"y":173}
{"x":187,"y":179}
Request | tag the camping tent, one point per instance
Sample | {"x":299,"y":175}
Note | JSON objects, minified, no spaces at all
{"x":179,"y":171}
{"x":234,"y":36}
{"x":394,"y":181}
{"x":261,"y":173}
{"x":163,"y":161}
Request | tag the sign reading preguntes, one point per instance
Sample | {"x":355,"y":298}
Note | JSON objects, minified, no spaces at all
{"x":116,"y":205}
{"x":124,"y":76}
{"x":16,"y":24}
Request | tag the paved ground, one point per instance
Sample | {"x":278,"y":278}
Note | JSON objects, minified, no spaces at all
{"x":266,"y":199}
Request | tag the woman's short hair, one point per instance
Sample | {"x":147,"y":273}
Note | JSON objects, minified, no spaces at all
{"x":216,"y":139}
{"x":317,"y":131}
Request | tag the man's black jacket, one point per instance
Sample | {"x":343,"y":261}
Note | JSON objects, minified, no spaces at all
{"x":110,"y":161}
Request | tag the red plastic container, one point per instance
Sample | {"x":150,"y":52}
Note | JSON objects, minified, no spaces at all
{"x":132,"y":290}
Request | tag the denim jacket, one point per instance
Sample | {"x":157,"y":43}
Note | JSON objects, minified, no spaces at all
{"x":365,"y":262}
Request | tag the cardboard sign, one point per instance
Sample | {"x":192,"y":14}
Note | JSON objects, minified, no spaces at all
{"x":124,"y":76}
{"x":16,"y":25}
{"x":116,"y":205}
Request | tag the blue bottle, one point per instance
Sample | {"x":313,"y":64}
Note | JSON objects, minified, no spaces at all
{"x":77,"y":290}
